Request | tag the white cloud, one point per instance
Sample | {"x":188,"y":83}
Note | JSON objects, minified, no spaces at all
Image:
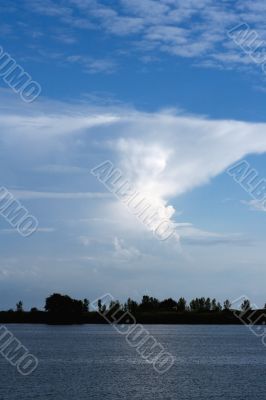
{"x":162,"y":154}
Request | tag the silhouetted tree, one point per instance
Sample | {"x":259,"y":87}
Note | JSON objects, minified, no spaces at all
{"x":213,"y":305}
{"x":207,"y":305}
{"x":216,"y":306}
{"x":131,"y":306}
{"x":200,"y":304}
{"x":86,"y":305}
{"x":99,"y":304}
{"x":114,"y":305}
{"x":181,"y":305}
{"x":194,"y":306}
{"x":149,"y":303}
{"x":167,"y":304}
{"x":245,"y":306}
{"x":227,"y":305}
{"x":19,"y":306}
{"x":62,"y":304}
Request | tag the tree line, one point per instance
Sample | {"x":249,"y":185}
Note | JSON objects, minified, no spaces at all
{"x":58,"y":303}
{"x":62,"y":309}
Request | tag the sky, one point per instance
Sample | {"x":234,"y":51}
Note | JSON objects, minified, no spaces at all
{"x":163,"y":91}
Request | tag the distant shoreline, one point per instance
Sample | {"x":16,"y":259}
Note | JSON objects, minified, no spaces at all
{"x":227,"y":317}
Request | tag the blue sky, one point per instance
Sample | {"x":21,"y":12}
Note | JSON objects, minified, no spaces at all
{"x":160,"y":89}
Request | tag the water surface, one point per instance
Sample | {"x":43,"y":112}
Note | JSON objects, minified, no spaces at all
{"x":95,"y":362}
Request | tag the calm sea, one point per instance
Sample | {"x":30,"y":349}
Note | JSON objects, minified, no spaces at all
{"x":94,"y":362}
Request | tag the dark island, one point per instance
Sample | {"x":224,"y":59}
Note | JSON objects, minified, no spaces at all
{"x":62,"y":309}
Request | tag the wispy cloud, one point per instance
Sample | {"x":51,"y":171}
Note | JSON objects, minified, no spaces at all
{"x":60,"y":169}
{"x":190,"y":29}
{"x":123,"y":252}
{"x":190,"y":235}
{"x":65,"y":38}
{"x":33,"y":195}
{"x":38,"y":230}
{"x":255,"y":205}
{"x":93,"y":65}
